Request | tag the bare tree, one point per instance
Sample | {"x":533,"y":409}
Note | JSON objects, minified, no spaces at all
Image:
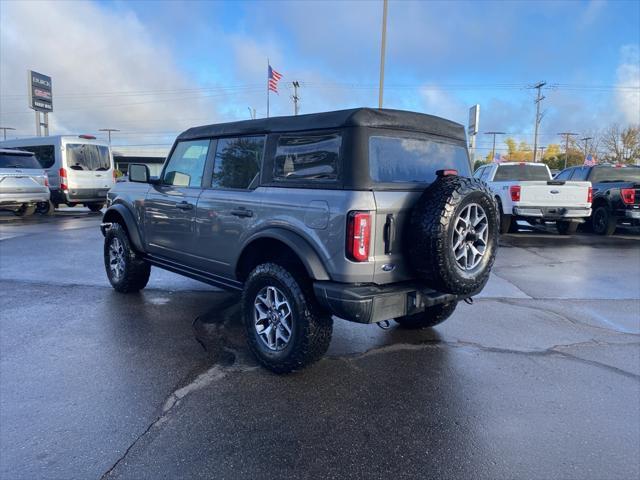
{"x":622,"y":144}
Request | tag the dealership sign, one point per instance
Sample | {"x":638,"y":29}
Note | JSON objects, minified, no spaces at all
{"x":40,"y":96}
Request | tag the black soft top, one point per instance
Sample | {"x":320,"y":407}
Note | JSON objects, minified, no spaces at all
{"x":355,"y":117}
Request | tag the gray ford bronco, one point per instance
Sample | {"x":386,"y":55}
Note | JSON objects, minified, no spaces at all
{"x":365,"y":214}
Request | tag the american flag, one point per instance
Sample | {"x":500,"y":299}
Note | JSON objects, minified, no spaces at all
{"x":273,"y":79}
{"x":590,"y":161}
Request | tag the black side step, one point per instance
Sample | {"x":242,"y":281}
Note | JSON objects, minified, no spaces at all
{"x":205,"y":277}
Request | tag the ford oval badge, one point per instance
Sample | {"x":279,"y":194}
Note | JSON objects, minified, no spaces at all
{"x":388,"y":267}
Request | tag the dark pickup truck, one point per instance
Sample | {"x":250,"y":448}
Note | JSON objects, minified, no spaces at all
{"x":616,"y":194}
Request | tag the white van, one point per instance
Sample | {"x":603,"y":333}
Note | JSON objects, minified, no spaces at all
{"x":79,"y":167}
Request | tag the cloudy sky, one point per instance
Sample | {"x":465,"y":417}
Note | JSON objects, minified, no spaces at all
{"x":153,"y":69}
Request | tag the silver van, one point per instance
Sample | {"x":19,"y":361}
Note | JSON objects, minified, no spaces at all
{"x":79,"y":167}
{"x":23,"y":183}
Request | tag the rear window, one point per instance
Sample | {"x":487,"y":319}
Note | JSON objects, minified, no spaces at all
{"x":394,"y":159}
{"x":307,"y":157}
{"x":615,"y":174}
{"x":84,"y":156}
{"x":9,"y":160}
{"x":521,"y":173}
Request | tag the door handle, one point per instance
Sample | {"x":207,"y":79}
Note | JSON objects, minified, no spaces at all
{"x":389,"y":233}
{"x":242,"y":212}
{"x":184,"y":206}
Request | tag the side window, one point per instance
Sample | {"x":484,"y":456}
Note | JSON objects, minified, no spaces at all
{"x":486,"y":174}
{"x":45,"y":154}
{"x":186,"y":165}
{"x":307,"y":157}
{"x":237,"y":163}
{"x":580,"y":173}
{"x":478,"y":173}
{"x":564,"y":175}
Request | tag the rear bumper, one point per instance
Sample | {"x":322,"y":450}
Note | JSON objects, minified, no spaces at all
{"x":16,"y":200}
{"x":85,"y":195}
{"x":374,"y":303}
{"x":552,"y":213}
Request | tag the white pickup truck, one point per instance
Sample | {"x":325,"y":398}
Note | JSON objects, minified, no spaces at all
{"x":526,"y":191}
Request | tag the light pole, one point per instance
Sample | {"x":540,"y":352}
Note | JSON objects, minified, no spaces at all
{"x":586,"y":141}
{"x":109,"y":130}
{"x":566,"y":145}
{"x":4,"y":131}
{"x":382,"y":51}
{"x":493,"y":150}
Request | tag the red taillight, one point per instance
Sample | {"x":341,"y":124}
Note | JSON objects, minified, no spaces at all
{"x":358,"y":236}
{"x":590,"y":195}
{"x":628,"y":195}
{"x":514,"y":190}
{"x":446,"y":173}
{"x":46,"y":181}
{"x":63,"y":179}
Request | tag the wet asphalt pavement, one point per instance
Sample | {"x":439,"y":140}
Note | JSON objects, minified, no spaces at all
{"x":540,"y":378}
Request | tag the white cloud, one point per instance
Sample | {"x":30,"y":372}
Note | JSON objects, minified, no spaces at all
{"x":628,"y":83}
{"x":88,"y":48}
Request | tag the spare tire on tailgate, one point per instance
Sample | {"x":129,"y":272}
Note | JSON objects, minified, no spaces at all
{"x":452,"y":235}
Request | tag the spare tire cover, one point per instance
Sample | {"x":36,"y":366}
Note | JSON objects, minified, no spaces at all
{"x":452,"y":235}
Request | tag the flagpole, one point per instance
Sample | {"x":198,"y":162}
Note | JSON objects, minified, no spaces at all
{"x":268,"y":65}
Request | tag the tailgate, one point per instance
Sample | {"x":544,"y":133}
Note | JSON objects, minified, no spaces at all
{"x":392,"y":213}
{"x":553,"y":194}
{"x":21,"y":183}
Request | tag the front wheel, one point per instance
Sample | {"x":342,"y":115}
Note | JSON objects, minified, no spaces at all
{"x":127,"y":271}
{"x":431,"y":317}
{"x":603,"y":222}
{"x":286,"y":328}
{"x":566,"y":227}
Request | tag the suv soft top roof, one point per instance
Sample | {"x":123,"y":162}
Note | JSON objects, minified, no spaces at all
{"x":356,"y":117}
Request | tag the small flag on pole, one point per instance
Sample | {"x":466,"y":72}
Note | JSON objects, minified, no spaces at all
{"x":273,"y":79}
{"x":497,"y":158}
{"x":590,"y":161}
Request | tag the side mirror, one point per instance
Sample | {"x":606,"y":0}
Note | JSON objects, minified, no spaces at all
{"x":138,"y":173}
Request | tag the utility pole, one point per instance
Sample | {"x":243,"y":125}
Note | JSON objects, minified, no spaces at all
{"x":541,"y":152}
{"x":295,"y":97}
{"x":586,"y":142}
{"x":493,"y":150}
{"x":566,"y":135}
{"x":4,"y":131}
{"x":539,"y":99}
{"x":252,"y":113}
{"x":382,"y":51}
{"x":109,"y":130}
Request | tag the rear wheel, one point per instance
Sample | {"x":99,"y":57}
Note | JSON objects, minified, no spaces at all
{"x":25,"y":211}
{"x":602,"y":221}
{"x":286,"y":328}
{"x":126,"y":269}
{"x":95,"y":207}
{"x":46,"y":208}
{"x":566,"y":227}
{"x":431,"y":317}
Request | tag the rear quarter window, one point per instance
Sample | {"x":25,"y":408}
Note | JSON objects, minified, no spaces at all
{"x":307,"y":157}
{"x":45,"y":154}
{"x":9,"y":160}
{"x":413,"y":160}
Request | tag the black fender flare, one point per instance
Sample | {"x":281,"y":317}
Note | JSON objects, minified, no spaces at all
{"x":125,"y":213}
{"x":301,"y":247}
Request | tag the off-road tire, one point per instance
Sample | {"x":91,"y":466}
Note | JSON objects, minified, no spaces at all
{"x":430,"y":234}
{"x":312,"y":326}
{"x":136,"y":270}
{"x":566,"y":227}
{"x":431,"y":317}
{"x":602,"y":221}
{"x":25,"y":211}
{"x":95,"y":207}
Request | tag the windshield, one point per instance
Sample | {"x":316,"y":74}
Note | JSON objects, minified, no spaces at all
{"x":394,"y":159}
{"x":10,"y":160}
{"x":83,"y":156}
{"x":521,"y":172}
{"x":615,"y":174}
